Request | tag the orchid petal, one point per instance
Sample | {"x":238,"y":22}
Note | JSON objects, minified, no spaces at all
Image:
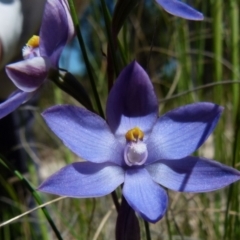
{"x":144,"y":195}
{"x":84,"y":179}
{"x":13,"y":102}
{"x":180,"y":132}
{"x":54,"y":32}
{"x":192,"y":174}
{"x":180,"y":9}
{"x":71,"y":28}
{"x":28,"y":75}
{"x":132,"y":101}
{"x":85,"y":133}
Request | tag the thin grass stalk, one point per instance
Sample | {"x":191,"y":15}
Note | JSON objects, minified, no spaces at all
{"x":34,"y":193}
{"x":182,"y":49}
{"x":217,"y":26}
{"x":40,"y":214}
{"x":200,"y":47}
{"x":85,"y":56}
{"x":107,"y":20}
{"x":43,"y":226}
{"x":231,"y":230}
{"x":217,"y":7}
{"x":234,"y":221}
{"x":234,"y":26}
{"x":217,"y":222}
{"x":209,"y":85}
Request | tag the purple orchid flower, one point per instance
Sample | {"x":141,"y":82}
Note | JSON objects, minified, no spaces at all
{"x":180,"y":9}
{"x":40,"y":54}
{"x":136,"y":148}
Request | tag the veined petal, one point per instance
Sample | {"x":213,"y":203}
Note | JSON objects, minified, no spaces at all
{"x":55,"y":30}
{"x":13,"y":102}
{"x":181,"y":131}
{"x":85,"y":133}
{"x":192,"y":174}
{"x":28,"y":75}
{"x":180,"y":9}
{"x":144,"y":195}
{"x":132,"y":101}
{"x":84,"y":179}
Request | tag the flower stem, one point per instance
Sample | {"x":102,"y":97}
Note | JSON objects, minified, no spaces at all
{"x":127,"y":225}
{"x":148,"y":234}
{"x":34,"y":193}
{"x":85,"y":57}
{"x":115,"y":200}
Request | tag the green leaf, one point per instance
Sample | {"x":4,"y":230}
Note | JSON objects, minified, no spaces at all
{"x":69,"y":84}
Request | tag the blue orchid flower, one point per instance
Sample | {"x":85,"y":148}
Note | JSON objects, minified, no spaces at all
{"x":136,"y":148}
{"x":180,"y":9}
{"x":40,"y":54}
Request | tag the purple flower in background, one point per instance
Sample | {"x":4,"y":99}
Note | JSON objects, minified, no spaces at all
{"x":40,"y":54}
{"x":136,"y":148}
{"x":180,"y":9}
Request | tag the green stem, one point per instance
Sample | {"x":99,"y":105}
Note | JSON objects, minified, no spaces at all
{"x":34,"y":193}
{"x":234,"y":25}
{"x":201,"y":42}
{"x":107,"y":20}
{"x":182,"y":48}
{"x":230,"y":221}
{"x":85,"y":56}
{"x":148,"y":234}
{"x":217,"y":47}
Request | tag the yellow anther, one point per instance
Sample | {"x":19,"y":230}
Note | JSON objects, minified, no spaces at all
{"x":134,"y":134}
{"x":33,"y":41}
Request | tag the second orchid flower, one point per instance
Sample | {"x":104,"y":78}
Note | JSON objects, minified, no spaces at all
{"x":40,"y":54}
